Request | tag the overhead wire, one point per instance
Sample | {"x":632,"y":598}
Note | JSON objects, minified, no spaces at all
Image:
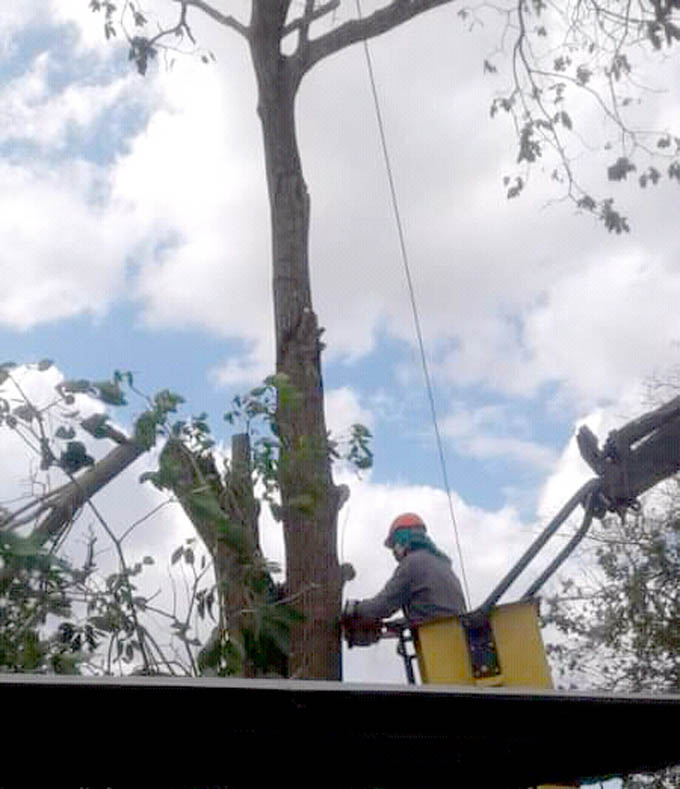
{"x":414,"y":306}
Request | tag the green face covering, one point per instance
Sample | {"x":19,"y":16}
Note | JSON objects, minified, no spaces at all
{"x":414,"y":539}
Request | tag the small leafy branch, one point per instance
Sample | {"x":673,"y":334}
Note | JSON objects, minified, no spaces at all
{"x":256,"y":412}
{"x":60,"y":446}
{"x":144,"y":47}
{"x":589,"y":53}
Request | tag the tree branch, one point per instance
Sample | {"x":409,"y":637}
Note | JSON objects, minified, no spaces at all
{"x":76,"y":493}
{"x":190,"y":480}
{"x":218,"y":16}
{"x":361,"y":29}
{"x":310,"y":15}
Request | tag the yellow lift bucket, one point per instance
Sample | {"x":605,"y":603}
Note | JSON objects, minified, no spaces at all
{"x":444,"y":657}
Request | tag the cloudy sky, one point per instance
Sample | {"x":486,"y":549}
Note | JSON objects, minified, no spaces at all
{"x":134,"y":229}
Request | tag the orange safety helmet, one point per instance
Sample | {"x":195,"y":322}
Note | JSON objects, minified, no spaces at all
{"x":408,"y":520}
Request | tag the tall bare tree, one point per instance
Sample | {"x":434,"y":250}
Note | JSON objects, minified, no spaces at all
{"x":592,"y":45}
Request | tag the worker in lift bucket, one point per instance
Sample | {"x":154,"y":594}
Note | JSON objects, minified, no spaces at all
{"x":423,"y":585}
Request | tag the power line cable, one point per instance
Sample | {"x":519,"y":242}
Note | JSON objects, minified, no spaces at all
{"x":414,"y":306}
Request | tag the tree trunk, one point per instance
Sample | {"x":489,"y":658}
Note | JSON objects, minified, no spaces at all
{"x":235,"y":569}
{"x":309,"y":498}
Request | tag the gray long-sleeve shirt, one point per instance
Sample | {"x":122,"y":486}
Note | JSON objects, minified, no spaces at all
{"x":423,"y":585}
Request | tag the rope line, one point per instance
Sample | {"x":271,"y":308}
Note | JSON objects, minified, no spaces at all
{"x":414,"y":306}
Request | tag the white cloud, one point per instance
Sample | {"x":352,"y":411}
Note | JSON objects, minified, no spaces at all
{"x":247,"y":370}
{"x":343,"y":409}
{"x":488,"y":432}
{"x":14,"y":17}
{"x":62,"y":255}
{"x":34,"y":113}
{"x":194,"y":179}
{"x":607,"y":325}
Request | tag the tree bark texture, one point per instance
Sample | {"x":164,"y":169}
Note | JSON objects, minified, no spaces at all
{"x":308,"y":495}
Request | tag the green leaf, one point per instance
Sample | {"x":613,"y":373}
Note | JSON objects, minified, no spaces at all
{"x":587,"y":203}
{"x":123,"y":377}
{"x":177,"y":554}
{"x":145,"y":430}
{"x":612,"y":219}
{"x":109,"y":392}
{"x":167,"y":401}
{"x":105,"y":623}
{"x":44,"y":364}
{"x":583,"y":74}
{"x":620,"y":169}
{"x":94,"y":425}
{"x":75,"y":457}
{"x":65,"y":432}
{"x":516,"y":189}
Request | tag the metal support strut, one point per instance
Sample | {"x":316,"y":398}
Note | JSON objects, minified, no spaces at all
{"x":586,"y":495}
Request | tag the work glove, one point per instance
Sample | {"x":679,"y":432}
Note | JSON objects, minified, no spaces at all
{"x":357,"y":630}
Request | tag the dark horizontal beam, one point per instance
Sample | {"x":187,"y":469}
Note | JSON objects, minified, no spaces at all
{"x":214,"y":732}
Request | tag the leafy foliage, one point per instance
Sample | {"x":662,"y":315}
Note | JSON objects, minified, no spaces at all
{"x":620,"y":622}
{"x":588,"y":55}
{"x":55,"y":617}
{"x":42,"y":586}
{"x":59,"y":446}
{"x":255,"y":615}
{"x":256,"y":413}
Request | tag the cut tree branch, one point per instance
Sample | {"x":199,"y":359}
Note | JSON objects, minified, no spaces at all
{"x":76,"y":493}
{"x":72,"y":496}
{"x":361,"y":29}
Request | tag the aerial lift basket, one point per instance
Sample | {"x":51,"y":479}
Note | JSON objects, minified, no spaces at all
{"x":506,"y":649}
